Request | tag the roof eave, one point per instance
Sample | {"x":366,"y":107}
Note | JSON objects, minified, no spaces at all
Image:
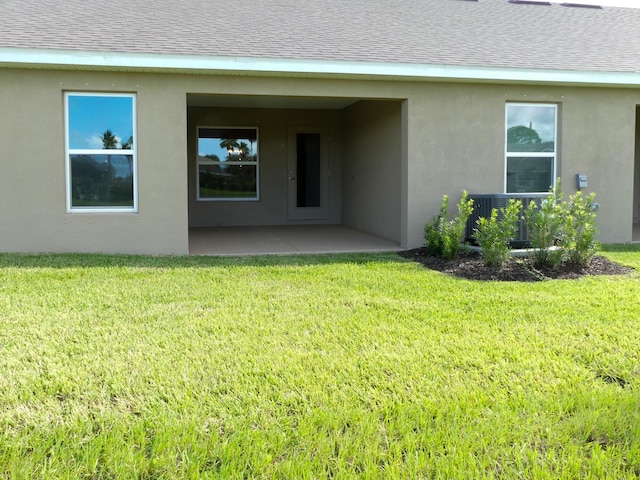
{"x":262,"y":66}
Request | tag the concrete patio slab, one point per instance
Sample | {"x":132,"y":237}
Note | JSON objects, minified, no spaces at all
{"x":281,"y":240}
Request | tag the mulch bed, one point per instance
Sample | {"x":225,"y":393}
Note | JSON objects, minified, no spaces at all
{"x":471,"y":266}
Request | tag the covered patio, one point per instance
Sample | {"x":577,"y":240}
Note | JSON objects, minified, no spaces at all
{"x":325,"y":174}
{"x":284,"y":240}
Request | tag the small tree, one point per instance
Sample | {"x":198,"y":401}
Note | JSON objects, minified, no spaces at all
{"x":493,"y":234}
{"x":569,"y":225}
{"x":580,"y":229}
{"x":546,"y":228}
{"x":442,"y":235}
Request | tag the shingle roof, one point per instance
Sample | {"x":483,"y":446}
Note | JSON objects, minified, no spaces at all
{"x":493,"y":33}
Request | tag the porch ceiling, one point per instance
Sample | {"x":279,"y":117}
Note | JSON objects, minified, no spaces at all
{"x":269,"y":101}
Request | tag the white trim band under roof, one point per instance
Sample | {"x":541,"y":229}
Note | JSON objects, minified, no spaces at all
{"x":16,"y":57}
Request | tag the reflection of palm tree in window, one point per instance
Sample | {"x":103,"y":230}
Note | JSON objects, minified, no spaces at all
{"x":527,"y":139}
{"x":128,"y":145}
{"x":244,"y":150}
{"x":230,"y":145}
{"x":109,"y":142}
{"x":521,"y":135}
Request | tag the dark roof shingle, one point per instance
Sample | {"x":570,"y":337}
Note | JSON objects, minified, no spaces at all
{"x":492,"y":33}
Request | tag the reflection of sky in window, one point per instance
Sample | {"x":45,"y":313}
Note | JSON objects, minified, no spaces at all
{"x":121,"y":166}
{"x":211,"y":146}
{"x":91,"y":116}
{"x":541,"y":119}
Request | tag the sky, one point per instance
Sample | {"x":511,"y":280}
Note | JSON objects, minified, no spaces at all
{"x":211,"y":146}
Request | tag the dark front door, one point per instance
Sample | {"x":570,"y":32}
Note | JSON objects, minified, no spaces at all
{"x":308,"y":174}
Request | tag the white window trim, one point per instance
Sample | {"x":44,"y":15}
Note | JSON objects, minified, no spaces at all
{"x":211,"y":162}
{"x":76,"y":151}
{"x":553,"y":154}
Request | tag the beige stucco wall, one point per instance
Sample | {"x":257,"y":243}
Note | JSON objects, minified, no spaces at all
{"x":456,"y":142}
{"x":32,"y":198}
{"x":450,"y":137}
{"x":372,"y":170}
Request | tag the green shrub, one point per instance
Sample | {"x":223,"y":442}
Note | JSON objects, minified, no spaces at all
{"x":443,"y":235}
{"x":493,"y":234}
{"x":580,"y":229}
{"x":569,"y":225}
{"x":546,"y":228}
{"x":433,"y":231}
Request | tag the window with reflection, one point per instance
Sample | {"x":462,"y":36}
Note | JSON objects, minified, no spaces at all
{"x":530,"y":147}
{"x":227,"y":163}
{"x":100,"y":144}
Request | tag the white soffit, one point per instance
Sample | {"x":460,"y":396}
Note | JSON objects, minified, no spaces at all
{"x":31,"y":58}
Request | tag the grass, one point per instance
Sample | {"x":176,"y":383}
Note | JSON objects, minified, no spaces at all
{"x":335,"y":366}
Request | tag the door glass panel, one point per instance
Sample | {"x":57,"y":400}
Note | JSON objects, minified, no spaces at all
{"x":308,"y":170}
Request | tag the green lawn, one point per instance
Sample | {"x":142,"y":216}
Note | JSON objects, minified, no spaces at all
{"x":337,"y":366}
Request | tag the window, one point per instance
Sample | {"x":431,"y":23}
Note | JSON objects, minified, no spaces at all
{"x":100,"y":152}
{"x":227,"y":163}
{"x":530,"y":147}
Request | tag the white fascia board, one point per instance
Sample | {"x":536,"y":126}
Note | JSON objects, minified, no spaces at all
{"x":198,"y":63}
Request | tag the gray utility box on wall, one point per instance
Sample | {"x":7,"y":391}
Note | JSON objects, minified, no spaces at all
{"x":483,"y":204}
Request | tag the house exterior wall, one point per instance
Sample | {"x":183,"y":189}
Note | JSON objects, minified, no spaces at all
{"x":456,"y":142}
{"x":450,"y":136}
{"x":372,"y":187}
{"x":273,"y":126}
{"x":32,"y":158}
